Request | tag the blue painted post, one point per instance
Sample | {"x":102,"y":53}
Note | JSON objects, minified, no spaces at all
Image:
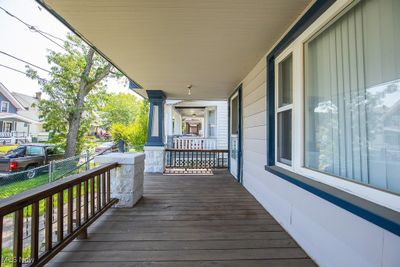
{"x":155,"y":133}
{"x":155,"y":147}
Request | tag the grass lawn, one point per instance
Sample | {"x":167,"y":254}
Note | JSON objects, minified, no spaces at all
{"x":18,"y":187}
{"x":5,"y":149}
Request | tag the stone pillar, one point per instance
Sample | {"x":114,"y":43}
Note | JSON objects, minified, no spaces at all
{"x":155,"y":159}
{"x":127,"y":179}
{"x":155,"y":145}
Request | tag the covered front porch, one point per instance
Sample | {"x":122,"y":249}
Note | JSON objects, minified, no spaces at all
{"x":187,"y":221}
{"x":312,"y":89}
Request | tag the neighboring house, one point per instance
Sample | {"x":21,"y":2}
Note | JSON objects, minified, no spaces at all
{"x":19,"y":118}
{"x":196,"y":124}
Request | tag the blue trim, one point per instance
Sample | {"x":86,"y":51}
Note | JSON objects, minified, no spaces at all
{"x":156,"y":98}
{"x":240,"y":133}
{"x":374,"y":213}
{"x":155,"y":95}
{"x":316,"y":10}
{"x":134,"y":85}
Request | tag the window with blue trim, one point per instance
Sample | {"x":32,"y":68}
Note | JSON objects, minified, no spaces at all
{"x":352,"y":96}
{"x":335,"y":92}
{"x":284,"y":105}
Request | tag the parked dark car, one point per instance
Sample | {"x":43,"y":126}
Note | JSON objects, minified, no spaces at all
{"x":28,"y":157}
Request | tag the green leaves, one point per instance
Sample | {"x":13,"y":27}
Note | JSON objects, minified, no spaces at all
{"x":75,"y":91}
{"x":128,"y":119}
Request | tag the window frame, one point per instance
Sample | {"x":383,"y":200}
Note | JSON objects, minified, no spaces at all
{"x":235,"y":95}
{"x":296,"y":48}
{"x":8,"y":106}
{"x":208,"y":110}
{"x":280,"y":59}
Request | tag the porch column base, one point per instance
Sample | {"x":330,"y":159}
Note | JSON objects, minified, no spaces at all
{"x":155,"y":159}
{"x":126,"y":180}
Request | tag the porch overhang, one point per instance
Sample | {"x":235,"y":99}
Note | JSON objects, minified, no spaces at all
{"x":167,"y":45}
{"x":16,"y":117}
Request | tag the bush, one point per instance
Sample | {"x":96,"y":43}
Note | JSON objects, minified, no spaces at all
{"x":133,"y":134}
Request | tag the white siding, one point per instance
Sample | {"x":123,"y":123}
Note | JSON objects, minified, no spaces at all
{"x":329,"y":234}
{"x":222,"y":125}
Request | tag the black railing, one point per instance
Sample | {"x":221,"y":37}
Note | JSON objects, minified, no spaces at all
{"x":196,"y":159}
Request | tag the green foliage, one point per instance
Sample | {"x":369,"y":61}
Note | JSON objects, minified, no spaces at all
{"x":119,"y":108}
{"x":121,"y":132}
{"x":7,"y":256}
{"x":135,"y":132}
{"x":75,"y":89}
{"x":5,"y":149}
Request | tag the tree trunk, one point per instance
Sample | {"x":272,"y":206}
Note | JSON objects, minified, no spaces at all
{"x":85,"y":87}
{"x":73,"y":128}
{"x":74,"y":119}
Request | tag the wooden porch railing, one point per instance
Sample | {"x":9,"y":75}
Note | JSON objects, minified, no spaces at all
{"x":88,"y":192}
{"x":196,"y":158}
{"x":194,"y":143}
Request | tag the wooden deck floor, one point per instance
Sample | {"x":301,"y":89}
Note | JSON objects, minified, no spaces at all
{"x":187,"y":221}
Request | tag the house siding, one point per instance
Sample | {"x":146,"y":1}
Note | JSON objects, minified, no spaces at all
{"x":222,"y":125}
{"x":331,"y":235}
{"x":12,"y":108}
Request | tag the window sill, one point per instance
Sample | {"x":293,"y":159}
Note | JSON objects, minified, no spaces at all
{"x":381,"y":216}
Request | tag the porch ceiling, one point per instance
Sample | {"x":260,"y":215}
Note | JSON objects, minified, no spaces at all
{"x":191,"y":112}
{"x":166,"y":45}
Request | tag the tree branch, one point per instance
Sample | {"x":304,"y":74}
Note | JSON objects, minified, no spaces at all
{"x":99,"y":78}
{"x":86,"y":71}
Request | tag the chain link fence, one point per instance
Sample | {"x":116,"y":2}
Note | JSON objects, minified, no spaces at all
{"x":17,"y":182}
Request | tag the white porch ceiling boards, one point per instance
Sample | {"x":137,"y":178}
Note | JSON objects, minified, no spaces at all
{"x":191,"y":112}
{"x":168,"y":44}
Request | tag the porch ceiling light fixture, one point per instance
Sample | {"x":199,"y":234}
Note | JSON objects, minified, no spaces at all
{"x":189,"y":89}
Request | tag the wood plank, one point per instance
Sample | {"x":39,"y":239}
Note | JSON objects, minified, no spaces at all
{"x":200,"y":223}
{"x":188,"y":236}
{"x":18,"y":237}
{"x":178,"y":245}
{"x":49,"y":223}
{"x":187,"y":217}
{"x":190,"y":212}
{"x":35,"y":232}
{"x":187,"y":221}
{"x":60,"y":216}
{"x":70,"y":211}
{"x":215,"y":254}
{"x":78,"y":204}
{"x":130,"y":228}
{"x":225,"y":263}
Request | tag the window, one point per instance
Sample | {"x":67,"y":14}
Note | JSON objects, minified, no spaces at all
{"x":5,"y":106}
{"x":284,"y":110}
{"x":212,"y":114}
{"x":234,"y":115}
{"x":337,"y":101}
{"x":34,"y":151}
{"x":352,"y":96}
{"x":7,"y":126}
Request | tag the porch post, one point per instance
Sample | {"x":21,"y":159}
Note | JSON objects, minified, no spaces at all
{"x":155,"y":146}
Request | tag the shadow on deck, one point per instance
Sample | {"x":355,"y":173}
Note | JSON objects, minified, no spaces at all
{"x":187,"y":221}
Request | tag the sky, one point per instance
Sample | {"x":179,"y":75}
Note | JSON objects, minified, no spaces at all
{"x":17,"y":40}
